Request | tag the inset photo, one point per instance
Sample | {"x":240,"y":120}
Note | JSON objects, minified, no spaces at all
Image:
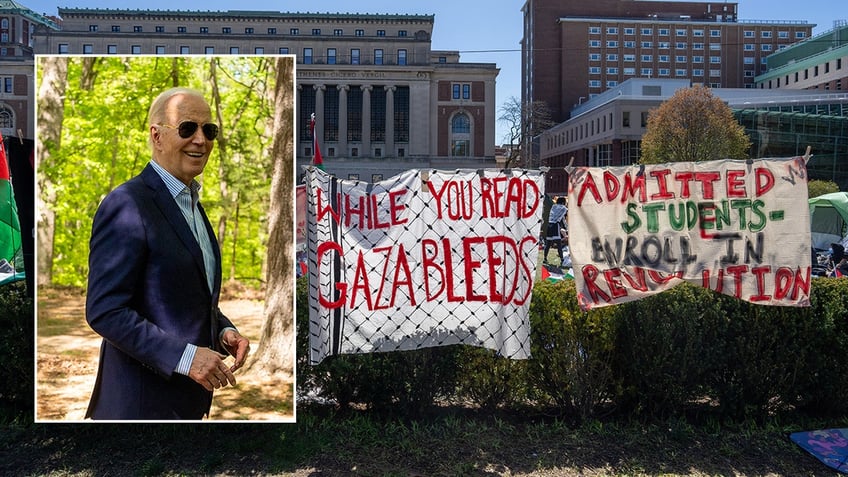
{"x":165,"y":238}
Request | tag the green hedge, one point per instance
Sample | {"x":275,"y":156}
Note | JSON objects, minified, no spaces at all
{"x":17,"y":320}
{"x":688,"y":349}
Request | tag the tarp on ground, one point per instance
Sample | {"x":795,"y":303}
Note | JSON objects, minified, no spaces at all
{"x":830,"y":446}
{"x":828,"y":219}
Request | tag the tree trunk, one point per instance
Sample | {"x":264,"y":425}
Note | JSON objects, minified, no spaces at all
{"x":275,"y":353}
{"x":51,"y":93}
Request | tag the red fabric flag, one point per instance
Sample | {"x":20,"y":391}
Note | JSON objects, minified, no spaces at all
{"x":4,"y":164}
{"x":316,"y":156}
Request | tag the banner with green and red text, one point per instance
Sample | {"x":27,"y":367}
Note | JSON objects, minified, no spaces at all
{"x":741,"y":228}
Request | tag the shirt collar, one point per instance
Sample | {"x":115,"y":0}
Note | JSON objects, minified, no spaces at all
{"x":175,"y":186}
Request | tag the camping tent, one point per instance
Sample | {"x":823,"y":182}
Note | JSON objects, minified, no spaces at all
{"x":828,"y":219}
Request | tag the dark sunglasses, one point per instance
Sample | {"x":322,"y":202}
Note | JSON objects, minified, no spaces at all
{"x":186,"y":129}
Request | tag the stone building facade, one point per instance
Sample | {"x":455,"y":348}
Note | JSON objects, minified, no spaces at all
{"x":384,"y":101}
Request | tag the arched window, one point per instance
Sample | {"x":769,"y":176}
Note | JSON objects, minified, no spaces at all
{"x":7,"y":118}
{"x":460,"y":140}
{"x":461,"y":124}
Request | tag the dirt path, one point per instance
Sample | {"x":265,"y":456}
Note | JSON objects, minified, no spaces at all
{"x":67,"y":351}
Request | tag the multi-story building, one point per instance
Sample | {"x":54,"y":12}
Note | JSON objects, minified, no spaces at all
{"x":820,"y":62}
{"x":384,"y":101}
{"x":17,"y":24}
{"x":574,"y":51}
{"x":607,"y":130}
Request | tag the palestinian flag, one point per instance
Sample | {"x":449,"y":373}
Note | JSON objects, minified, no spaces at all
{"x":10,"y":227}
{"x":555,"y":274}
{"x":317,"y":161}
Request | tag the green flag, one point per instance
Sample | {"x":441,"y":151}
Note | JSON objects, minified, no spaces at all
{"x":10,"y":227}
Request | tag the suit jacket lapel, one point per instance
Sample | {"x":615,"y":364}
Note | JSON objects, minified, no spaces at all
{"x":165,"y":202}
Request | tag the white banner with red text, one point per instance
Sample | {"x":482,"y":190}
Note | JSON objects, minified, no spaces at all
{"x":425,"y":258}
{"x":740,"y":228}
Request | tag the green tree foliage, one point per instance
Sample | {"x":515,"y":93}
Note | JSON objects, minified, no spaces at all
{"x":693,"y":125}
{"x":104,"y":143}
{"x":816,"y":187}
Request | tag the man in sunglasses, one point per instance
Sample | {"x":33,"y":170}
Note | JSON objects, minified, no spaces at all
{"x":155,"y":279}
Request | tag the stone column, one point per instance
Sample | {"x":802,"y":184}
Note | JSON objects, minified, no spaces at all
{"x":343,"y":149}
{"x":319,"y":114}
{"x":390,"y":121}
{"x":366,"y":120}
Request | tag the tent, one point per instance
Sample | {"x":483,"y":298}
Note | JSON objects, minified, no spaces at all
{"x":828,"y":219}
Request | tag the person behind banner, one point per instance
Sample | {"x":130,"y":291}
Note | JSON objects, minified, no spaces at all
{"x":155,"y":279}
{"x":557,"y":231}
{"x":839,"y":260}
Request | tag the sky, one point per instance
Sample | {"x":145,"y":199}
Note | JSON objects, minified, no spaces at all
{"x":484,"y":31}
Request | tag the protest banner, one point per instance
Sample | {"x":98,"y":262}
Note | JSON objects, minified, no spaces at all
{"x":740,"y":228}
{"x":425,"y":258}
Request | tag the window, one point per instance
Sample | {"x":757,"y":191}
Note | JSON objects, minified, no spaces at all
{"x":612,"y":44}
{"x":594,"y":57}
{"x":630,"y":44}
{"x":466,"y":91}
{"x":381,"y":32}
{"x":630,"y":31}
{"x":338,"y":32}
{"x":92,"y":28}
{"x":680,"y":59}
{"x":647,"y":31}
{"x":185,"y":50}
{"x":698,"y":33}
{"x":680,"y":45}
{"x":647,"y":58}
{"x":748,"y":60}
{"x":765,"y":47}
{"x":716,"y":60}
{"x":749,"y":34}
{"x":665,"y":72}
{"x":354,"y":56}
{"x":377,"y":177}
{"x":612,"y":57}
{"x":259,"y":50}
{"x":316,"y":31}
{"x":402,"y":33}
{"x":697,"y":72}
{"x":800,"y":35}
{"x":137,"y":29}
{"x":8,"y":84}
{"x":159,"y":29}
{"x":748,"y":47}
{"x":612,"y":31}
{"x":664,"y":31}
{"x":644,"y":119}
{"x":625,"y":119}
{"x":630,"y":58}
{"x":455,"y":91}
{"x":697,"y":59}
{"x":680,"y":32}
{"x":765,"y":34}
{"x":112,"y":49}
{"x":234,"y":50}
{"x":664,"y":45}
{"x":594,"y":43}
{"x":87,"y":49}
{"x":182,"y":29}
{"x":226,"y":30}
{"x":209,"y":50}
{"x":612,"y":84}
{"x":401,"y":60}
{"x":647,"y":72}
{"x":665,"y":58}
{"x":630,"y":71}
{"x":697,"y":46}
{"x":307,"y":56}
{"x":331,"y":56}
{"x":680,"y":72}
{"x":715,"y":33}
{"x":135,"y":49}
{"x":204,"y":29}
{"x":593,"y":30}
{"x":594,"y":83}
{"x":612,"y":71}
{"x":359,"y":33}
{"x":715,"y":46}
{"x":160,"y":50}
{"x":116,"y":28}
{"x":294,"y":31}
{"x":594,"y":70}
{"x":272,"y":31}
{"x":647,"y":44}
{"x":460,"y":124}
{"x":284,"y":50}
{"x":378,"y":56}
{"x":783,"y":34}
{"x":248,"y":30}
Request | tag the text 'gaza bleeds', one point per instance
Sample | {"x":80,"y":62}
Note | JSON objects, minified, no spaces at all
{"x":461,"y":268}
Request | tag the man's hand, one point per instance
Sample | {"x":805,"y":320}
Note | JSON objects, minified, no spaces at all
{"x":238,"y":346}
{"x":209,"y":370}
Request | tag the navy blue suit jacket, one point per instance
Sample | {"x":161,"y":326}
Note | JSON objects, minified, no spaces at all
{"x":147,"y":297}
